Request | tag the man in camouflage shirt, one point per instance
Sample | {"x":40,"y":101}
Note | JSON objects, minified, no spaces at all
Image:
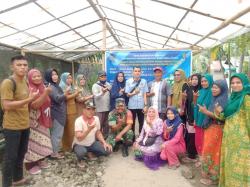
{"x":120,"y":122}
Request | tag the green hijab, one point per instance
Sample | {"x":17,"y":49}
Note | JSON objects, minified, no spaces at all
{"x":236,"y":99}
{"x":205,"y":98}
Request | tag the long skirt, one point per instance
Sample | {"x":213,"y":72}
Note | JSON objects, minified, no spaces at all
{"x":211,"y":151}
{"x":199,"y":135}
{"x":39,"y":145}
{"x":69,"y":133}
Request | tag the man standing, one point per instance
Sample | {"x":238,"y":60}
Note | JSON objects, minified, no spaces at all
{"x":120,"y":122}
{"x":101,"y":91}
{"x":88,"y":137}
{"x":136,"y":89}
{"x":15,"y":97}
{"x":160,"y":93}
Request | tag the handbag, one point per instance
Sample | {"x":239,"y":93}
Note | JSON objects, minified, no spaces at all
{"x":150,"y":141}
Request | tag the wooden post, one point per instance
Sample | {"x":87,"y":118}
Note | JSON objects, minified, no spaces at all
{"x":104,"y":29}
{"x":73,"y":71}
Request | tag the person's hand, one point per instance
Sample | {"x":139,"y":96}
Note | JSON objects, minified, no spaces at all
{"x":120,"y":119}
{"x":121,"y":91}
{"x":33,"y":94}
{"x":169,"y":129}
{"x":136,"y":91}
{"x":196,"y":94}
{"x":145,"y":109}
{"x":202,"y":109}
{"x":107,"y":147}
{"x":118,"y":138}
{"x":91,"y":126}
{"x":184,"y":95}
{"x":162,"y":146}
{"x":91,"y":97}
{"x":217,"y":109}
{"x":135,"y":145}
{"x":48,"y":89}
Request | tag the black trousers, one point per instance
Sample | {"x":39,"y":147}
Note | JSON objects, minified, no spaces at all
{"x":190,"y":143}
{"x":139,"y":113}
{"x":16,"y":145}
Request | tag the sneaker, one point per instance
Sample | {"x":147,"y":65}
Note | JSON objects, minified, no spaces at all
{"x":35,"y":170}
{"x":43,"y":164}
{"x":56,"y":156}
{"x":81,"y":164}
{"x":188,"y":160}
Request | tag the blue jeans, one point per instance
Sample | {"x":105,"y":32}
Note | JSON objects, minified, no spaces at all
{"x":96,"y":148}
{"x":16,"y":145}
{"x":56,"y":135}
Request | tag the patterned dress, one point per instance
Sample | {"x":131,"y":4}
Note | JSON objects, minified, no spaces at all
{"x":235,"y":150}
{"x":39,"y":145}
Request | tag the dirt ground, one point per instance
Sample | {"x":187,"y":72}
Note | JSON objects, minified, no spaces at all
{"x":126,"y":172}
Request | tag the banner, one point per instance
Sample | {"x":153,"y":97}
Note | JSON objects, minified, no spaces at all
{"x":169,"y":60}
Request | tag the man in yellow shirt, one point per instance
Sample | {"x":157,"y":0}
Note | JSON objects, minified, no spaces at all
{"x":15,"y":121}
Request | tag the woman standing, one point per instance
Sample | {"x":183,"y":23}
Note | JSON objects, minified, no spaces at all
{"x":39,"y":146}
{"x":118,"y":90}
{"x":84,"y":94}
{"x":173,"y":134}
{"x":235,"y":151}
{"x":148,"y":146}
{"x":204,"y":99}
{"x":213,"y":134}
{"x":67,"y":87}
{"x":58,"y":111}
{"x":189,"y":113}
{"x":179,"y":81}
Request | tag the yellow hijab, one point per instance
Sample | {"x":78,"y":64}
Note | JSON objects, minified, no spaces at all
{"x":177,"y":89}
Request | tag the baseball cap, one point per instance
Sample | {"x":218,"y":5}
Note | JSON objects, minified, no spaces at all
{"x":89,"y":104}
{"x":101,"y":73}
{"x":158,"y":68}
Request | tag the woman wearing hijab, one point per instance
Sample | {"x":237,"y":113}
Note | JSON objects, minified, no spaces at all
{"x":179,"y":82}
{"x":235,"y":150}
{"x":118,"y":90}
{"x":84,"y":94}
{"x":148,"y":145}
{"x":213,"y":134}
{"x":204,"y":99}
{"x":58,"y":111}
{"x":188,"y":96}
{"x":66,"y":84}
{"x":39,"y":145}
{"x":174,"y":141}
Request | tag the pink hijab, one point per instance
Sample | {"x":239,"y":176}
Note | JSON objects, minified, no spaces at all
{"x":45,"y":117}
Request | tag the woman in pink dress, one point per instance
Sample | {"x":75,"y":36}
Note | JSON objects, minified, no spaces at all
{"x":174,"y":141}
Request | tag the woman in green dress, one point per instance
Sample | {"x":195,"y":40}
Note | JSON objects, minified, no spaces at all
{"x":235,"y":150}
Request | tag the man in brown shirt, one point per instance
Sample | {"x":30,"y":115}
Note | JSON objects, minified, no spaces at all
{"x":15,"y":121}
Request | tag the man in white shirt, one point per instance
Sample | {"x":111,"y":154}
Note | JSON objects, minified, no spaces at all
{"x":88,"y":136}
{"x":160,"y":93}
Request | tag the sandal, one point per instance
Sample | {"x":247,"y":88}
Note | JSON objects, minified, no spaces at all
{"x":188,"y":160}
{"x":208,"y":182}
{"x":187,"y":174}
{"x":22,"y":182}
{"x":197,"y":164}
{"x":174,"y":167}
{"x":56,"y":156}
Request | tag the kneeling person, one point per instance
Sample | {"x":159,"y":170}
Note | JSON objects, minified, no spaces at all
{"x":120,"y":122}
{"x":88,"y":136}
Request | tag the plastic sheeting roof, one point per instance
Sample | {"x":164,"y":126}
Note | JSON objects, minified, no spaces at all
{"x":67,"y":25}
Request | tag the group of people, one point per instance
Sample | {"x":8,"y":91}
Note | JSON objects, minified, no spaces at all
{"x":194,"y":118}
